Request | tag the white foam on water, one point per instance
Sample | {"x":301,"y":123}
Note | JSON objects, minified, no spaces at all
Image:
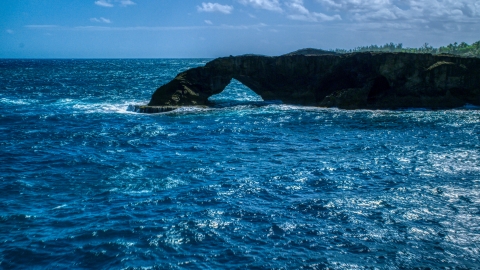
{"x":190,"y":109}
{"x":59,"y":207}
{"x":121,"y":108}
{"x":456,"y":161}
{"x":16,"y":101}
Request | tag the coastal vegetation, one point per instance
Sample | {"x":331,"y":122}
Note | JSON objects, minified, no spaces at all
{"x":461,"y":49}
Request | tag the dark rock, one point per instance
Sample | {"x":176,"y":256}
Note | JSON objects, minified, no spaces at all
{"x":151,"y":109}
{"x":154,"y":109}
{"x":351,"y":81}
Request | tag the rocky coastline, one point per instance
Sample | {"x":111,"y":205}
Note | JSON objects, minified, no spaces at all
{"x":366,"y":80}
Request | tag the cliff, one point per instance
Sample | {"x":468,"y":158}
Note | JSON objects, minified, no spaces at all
{"x":351,"y":81}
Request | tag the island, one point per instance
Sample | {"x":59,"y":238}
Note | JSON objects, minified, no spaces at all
{"x":361,"y":80}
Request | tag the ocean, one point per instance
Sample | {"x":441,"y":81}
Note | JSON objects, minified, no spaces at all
{"x":244,"y":184}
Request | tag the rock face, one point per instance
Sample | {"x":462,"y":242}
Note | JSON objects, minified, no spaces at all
{"x":351,"y":81}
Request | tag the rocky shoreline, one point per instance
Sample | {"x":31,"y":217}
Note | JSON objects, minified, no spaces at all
{"x":350,"y":81}
{"x":156,"y":109}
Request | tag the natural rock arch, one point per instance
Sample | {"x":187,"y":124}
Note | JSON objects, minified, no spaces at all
{"x":357,"y":80}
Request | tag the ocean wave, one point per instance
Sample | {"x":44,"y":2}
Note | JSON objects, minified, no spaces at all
{"x":103,"y":107}
{"x":8,"y":101}
{"x":245,"y":183}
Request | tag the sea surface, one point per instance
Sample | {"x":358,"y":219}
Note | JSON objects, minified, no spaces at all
{"x":246,"y":184}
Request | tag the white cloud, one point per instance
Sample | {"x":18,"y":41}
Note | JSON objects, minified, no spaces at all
{"x":272,"y":5}
{"x":299,"y":12}
{"x":108,"y":3}
{"x":125,"y":3}
{"x":297,"y":7}
{"x":100,"y":20}
{"x":325,"y":18}
{"x":356,"y":5}
{"x":215,"y":7}
{"x":208,"y":22}
{"x":103,"y":3}
{"x":10,"y":31}
{"x":426,"y":11}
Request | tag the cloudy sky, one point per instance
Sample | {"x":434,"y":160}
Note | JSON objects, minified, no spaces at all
{"x":212,"y":28}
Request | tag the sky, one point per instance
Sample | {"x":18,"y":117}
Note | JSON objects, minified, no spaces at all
{"x":214,"y":28}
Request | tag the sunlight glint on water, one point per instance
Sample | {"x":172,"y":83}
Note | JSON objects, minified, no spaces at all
{"x":243,"y":184}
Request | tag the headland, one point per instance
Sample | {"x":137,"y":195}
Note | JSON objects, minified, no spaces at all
{"x":362,"y":80}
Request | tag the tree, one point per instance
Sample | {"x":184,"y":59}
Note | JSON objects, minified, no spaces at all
{"x":450,"y":48}
{"x":460,"y":49}
{"x":476,"y":45}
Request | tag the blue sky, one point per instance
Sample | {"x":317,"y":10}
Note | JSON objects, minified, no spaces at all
{"x":191,"y":28}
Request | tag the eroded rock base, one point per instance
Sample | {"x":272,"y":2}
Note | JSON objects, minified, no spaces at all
{"x":156,"y":109}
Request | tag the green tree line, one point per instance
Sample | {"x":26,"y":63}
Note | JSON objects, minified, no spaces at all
{"x":463,"y":49}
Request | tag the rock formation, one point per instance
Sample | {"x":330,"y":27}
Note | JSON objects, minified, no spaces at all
{"x":351,"y":81}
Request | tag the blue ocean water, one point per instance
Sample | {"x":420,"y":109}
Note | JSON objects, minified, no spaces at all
{"x":85,"y":183}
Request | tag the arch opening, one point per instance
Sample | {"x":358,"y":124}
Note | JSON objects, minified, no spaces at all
{"x":235,"y":93}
